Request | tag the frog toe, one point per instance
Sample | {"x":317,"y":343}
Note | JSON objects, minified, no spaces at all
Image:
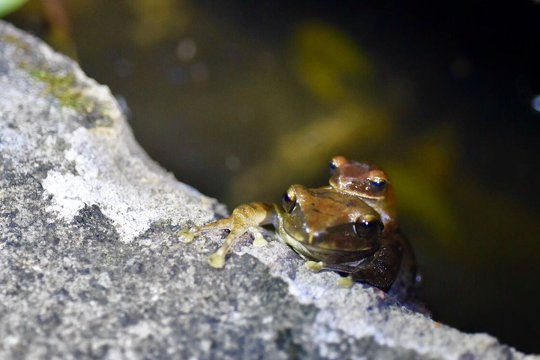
{"x":346,"y":281}
{"x":258,"y":239}
{"x":314,"y":266}
{"x":186,"y":235}
{"x":217,"y":260}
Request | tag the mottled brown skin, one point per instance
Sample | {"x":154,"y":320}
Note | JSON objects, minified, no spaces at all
{"x":349,"y":226}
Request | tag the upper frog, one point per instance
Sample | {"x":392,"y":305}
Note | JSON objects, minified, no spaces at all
{"x":367,"y":181}
{"x":348,"y":226}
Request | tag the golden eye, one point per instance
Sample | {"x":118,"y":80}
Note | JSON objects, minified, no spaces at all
{"x":289,"y":200}
{"x":367,"y":227}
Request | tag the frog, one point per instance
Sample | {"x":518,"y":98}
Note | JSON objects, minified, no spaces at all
{"x":348,"y":226}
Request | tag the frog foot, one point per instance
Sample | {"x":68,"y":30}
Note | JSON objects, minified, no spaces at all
{"x":258,"y":239}
{"x":346,"y":282}
{"x":186,"y":235}
{"x":217,"y":259}
{"x":314,"y":266}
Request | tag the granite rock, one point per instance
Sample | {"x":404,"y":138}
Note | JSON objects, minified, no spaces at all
{"x":91,"y":265}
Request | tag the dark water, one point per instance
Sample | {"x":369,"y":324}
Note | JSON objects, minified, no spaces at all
{"x":241,"y":100}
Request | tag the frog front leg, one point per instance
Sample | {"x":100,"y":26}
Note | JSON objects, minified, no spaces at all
{"x":188,"y":235}
{"x":379,"y":270}
{"x":242,"y":219}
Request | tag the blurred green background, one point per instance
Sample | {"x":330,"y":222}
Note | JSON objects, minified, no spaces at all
{"x":242,"y":99}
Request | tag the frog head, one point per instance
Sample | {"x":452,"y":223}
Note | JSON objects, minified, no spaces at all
{"x":366,"y":181}
{"x":328,"y":225}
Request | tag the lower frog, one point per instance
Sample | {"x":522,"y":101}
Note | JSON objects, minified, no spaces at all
{"x":334,"y":228}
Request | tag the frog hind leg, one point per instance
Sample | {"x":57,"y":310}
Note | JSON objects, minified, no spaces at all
{"x":243,"y":218}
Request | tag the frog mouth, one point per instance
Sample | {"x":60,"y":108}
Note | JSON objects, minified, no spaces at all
{"x":326,"y":255}
{"x":328,"y":249}
{"x":337,"y":251}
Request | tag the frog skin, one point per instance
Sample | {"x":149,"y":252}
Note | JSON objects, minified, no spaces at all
{"x":338,"y":227}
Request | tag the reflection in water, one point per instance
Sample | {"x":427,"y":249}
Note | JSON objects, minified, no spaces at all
{"x":335,"y":74}
{"x":329,"y":63}
{"x":156,"y":21}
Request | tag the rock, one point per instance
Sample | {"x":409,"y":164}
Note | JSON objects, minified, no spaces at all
{"x":91,"y":265}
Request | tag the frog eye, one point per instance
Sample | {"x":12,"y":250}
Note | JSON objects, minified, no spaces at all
{"x":377,"y":185}
{"x":336,"y":162}
{"x":289,"y":201}
{"x":368,"y":227}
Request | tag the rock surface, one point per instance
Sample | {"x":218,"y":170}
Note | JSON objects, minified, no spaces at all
{"x":91,"y":267}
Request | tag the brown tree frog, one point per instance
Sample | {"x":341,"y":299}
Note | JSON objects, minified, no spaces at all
{"x":348,"y":227}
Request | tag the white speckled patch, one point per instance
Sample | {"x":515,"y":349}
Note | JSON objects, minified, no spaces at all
{"x":108,"y":175}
